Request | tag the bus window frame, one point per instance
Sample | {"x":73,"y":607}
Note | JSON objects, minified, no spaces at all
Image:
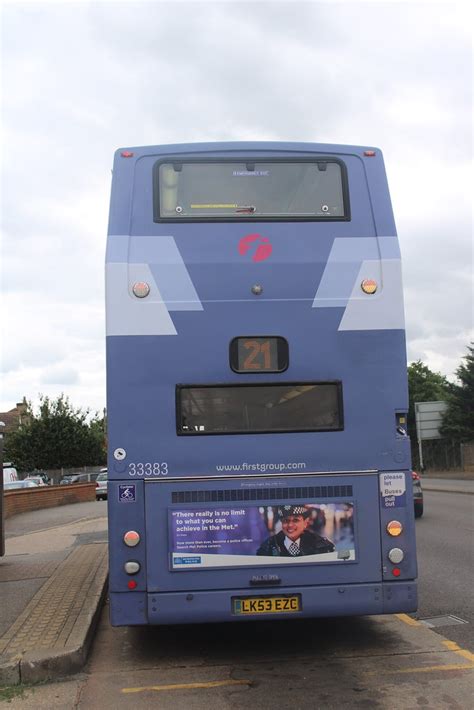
{"x":157,"y":218}
{"x":340,"y":402}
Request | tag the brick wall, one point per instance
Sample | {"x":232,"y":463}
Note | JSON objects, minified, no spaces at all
{"x":27,"y":499}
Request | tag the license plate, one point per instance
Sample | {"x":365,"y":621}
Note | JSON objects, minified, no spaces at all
{"x":266,"y":605}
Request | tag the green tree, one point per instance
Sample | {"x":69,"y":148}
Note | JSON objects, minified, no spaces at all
{"x":458,"y":421}
{"x":424,"y":385}
{"x":98,"y":427}
{"x":59,"y":435}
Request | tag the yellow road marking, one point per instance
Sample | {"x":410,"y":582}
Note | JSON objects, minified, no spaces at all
{"x":465,"y":654}
{"x":186,"y":686}
{"x":408,"y":620}
{"x":451,"y":645}
{"x":430,"y":669}
{"x":460,"y":651}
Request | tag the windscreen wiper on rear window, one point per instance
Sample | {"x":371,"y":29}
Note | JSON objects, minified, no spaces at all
{"x":250,"y":209}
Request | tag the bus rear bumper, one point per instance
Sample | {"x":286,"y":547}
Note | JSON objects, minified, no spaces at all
{"x":136,"y":608}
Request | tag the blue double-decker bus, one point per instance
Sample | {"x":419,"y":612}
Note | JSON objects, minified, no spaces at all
{"x":259,"y":464}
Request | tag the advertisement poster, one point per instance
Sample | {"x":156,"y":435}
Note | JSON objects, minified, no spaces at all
{"x":234,"y":536}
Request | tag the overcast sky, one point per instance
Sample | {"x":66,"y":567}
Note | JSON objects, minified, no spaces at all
{"x":82,"y":79}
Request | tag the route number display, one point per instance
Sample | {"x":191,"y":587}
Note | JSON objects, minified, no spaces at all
{"x":259,"y":354}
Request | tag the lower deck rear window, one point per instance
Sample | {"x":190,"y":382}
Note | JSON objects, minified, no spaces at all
{"x":259,"y":409}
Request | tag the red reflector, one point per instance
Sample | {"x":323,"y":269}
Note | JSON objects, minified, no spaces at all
{"x":132,"y":584}
{"x":131,"y":538}
{"x":396,"y":572}
{"x":126,"y":154}
{"x":367,"y":153}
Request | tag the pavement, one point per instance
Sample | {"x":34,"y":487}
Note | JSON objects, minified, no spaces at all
{"x":448,"y":485}
{"x":52,"y":584}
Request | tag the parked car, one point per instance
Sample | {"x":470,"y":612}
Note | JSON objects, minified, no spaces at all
{"x":101,"y":486}
{"x":70,"y":478}
{"x":78,"y":478}
{"x":39,"y":474}
{"x":13,"y":485}
{"x":9,"y":473}
{"x":37,"y":479}
{"x":417,"y":494}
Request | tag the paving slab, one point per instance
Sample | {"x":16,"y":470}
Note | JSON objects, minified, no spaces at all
{"x":450,"y":485}
{"x":51,"y":636}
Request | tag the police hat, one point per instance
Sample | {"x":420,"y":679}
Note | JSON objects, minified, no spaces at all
{"x":284,"y":511}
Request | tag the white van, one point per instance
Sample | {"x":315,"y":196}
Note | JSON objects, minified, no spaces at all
{"x":9,"y":473}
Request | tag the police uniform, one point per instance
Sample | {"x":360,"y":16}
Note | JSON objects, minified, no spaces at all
{"x":309,"y":543}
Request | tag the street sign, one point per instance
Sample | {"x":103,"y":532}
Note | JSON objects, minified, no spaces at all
{"x":429,"y":417}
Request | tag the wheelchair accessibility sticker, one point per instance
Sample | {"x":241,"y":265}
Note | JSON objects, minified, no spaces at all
{"x":126,"y":493}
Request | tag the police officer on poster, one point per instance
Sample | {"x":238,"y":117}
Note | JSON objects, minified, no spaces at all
{"x":294,"y":540}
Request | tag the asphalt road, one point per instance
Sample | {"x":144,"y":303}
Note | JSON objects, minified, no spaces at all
{"x":445,"y":543}
{"x":49,"y":518}
{"x":381,"y":662}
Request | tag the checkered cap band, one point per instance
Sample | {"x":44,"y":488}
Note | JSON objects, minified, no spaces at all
{"x":285,"y":510}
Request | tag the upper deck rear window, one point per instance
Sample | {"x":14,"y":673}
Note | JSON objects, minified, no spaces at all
{"x":314,"y":190}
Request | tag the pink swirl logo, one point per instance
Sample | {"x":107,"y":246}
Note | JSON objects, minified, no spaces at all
{"x":260,"y":246}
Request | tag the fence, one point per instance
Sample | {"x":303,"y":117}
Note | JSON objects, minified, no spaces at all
{"x":467,"y":457}
{"x":438,"y":454}
{"x":56,"y":474}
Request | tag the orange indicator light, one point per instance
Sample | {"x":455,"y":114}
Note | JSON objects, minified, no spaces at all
{"x":369,"y":286}
{"x":394,"y":528}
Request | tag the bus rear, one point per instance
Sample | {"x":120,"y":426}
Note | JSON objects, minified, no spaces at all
{"x":259,"y":464}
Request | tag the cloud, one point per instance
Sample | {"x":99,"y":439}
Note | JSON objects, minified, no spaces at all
{"x":59,"y":376}
{"x":82,"y":79}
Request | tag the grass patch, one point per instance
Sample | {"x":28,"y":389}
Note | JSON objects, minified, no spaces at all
{"x":9,"y":692}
